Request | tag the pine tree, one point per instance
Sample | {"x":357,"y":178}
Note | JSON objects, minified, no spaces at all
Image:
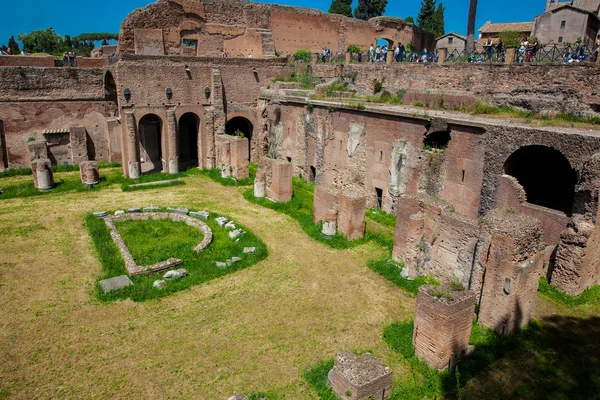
{"x":342,"y":7}
{"x":410,"y":20}
{"x":368,"y":9}
{"x":425,"y":19}
{"x":13,"y":45}
{"x":438,"y":21}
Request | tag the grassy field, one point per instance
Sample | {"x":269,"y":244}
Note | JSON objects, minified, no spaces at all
{"x":257,"y":330}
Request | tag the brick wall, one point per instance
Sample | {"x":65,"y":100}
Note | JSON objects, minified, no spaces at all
{"x":19,"y":61}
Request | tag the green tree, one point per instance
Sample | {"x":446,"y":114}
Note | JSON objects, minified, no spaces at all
{"x":425,"y":19}
{"x":368,"y":9}
{"x":86,"y":42}
{"x":41,"y":41}
{"x":471,"y":26}
{"x":410,"y":20}
{"x":438,"y":21}
{"x":342,"y":7}
{"x":13,"y":45}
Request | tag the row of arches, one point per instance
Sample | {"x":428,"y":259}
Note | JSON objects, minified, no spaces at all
{"x":151,"y":139}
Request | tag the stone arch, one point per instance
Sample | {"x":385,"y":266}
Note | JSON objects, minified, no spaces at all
{"x":150,"y":136}
{"x":110,"y":87}
{"x":236,"y":125}
{"x":189,"y":130}
{"x":546,"y":176}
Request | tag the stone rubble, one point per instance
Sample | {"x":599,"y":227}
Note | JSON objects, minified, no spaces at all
{"x":100,"y":214}
{"x":116,"y":283}
{"x":221,"y":221}
{"x":248,"y":250}
{"x":203,"y":215}
{"x":236,"y":233}
{"x":176,"y":274}
{"x":159,"y":284}
{"x":182,"y":211}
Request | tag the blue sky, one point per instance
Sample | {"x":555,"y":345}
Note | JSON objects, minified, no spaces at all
{"x":74,"y":17}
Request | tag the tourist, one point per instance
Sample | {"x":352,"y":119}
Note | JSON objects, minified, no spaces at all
{"x":500,"y":50}
{"x":223,"y":54}
{"x":72,"y":59}
{"x":522,"y":50}
{"x":401,"y":52}
{"x":384,"y":52}
{"x":371,"y":53}
{"x":23,"y":54}
{"x":9,"y":52}
{"x":596,"y":49}
{"x":378,"y":54}
{"x":489,"y":49}
{"x":250,"y":55}
{"x":65,"y":58}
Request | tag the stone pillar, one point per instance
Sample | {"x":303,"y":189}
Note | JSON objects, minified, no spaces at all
{"x":78,"y":139}
{"x":38,"y":150}
{"x":443,"y":321}
{"x":443,"y":56}
{"x":259,"y":185}
{"x":172,"y":148}
{"x":351,"y":217}
{"x":390,"y":57}
{"x":239,"y":148}
{"x":348,"y":57}
{"x":90,"y":175}
{"x":281,"y":185}
{"x":315,"y":58}
{"x":359,"y":378}
{"x":325,"y":200}
{"x":514,"y":266}
{"x":42,"y":174}
{"x":133,"y":161}
{"x":330,"y":224}
{"x":510,"y":55}
{"x":3,"y":160}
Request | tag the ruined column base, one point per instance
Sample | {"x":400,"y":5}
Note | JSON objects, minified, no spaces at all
{"x":174,"y":166}
{"x":134,"y":170}
{"x":90,"y":175}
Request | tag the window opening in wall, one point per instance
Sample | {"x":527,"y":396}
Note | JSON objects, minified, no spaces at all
{"x":379,"y":193}
{"x":463,"y":176}
{"x":190,"y":43}
{"x":450,"y":40}
{"x":563,"y":24}
{"x":381,"y":156}
{"x":313,"y":173}
{"x":560,"y":39}
{"x":289,"y":159}
{"x":437,"y":140}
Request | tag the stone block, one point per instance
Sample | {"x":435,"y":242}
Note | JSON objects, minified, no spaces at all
{"x":159,"y":284}
{"x":443,"y":321}
{"x":117,"y":283}
{"x":89,"y":172}
{"x":325,"y":200}
{"x":38,"y":149}
{"x":248,"y":250}
{"x":281,"y":185}
{"x":78,"y":139}
{"x":203,"y":215}
{"x":182,"y":211}
{"x":176,"y":274}
{"x":351,"y":214}
{"x":330,"y":224}
{"x":259,"y":185}
{"x":357,"y":378}
{"x":232,"y":156}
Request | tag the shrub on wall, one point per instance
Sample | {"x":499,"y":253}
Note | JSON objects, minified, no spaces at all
{"x":354,"y":49}
{"x":302,"y":55}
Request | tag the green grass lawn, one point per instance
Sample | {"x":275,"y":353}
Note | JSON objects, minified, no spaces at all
{"x":151,"y":242}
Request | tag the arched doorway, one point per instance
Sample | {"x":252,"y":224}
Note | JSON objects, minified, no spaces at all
{"x":437,"y":140}
{"x":150,"y":129}
{"x":546,"y":176}
{"x":240,"y":126}
{"x":188,"y":140}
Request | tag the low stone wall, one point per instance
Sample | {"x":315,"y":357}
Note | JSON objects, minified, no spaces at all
{"x":20,"y":61}
{"x":130,"y":264}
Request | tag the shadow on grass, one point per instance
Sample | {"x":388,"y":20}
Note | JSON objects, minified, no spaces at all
{"x":557,"y":358}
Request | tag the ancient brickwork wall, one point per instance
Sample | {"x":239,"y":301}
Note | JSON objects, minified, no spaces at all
{"x":553,"y":87}
{"x":18,"y":61}
{"x":37,"y":84}
{"x":442,"y":327}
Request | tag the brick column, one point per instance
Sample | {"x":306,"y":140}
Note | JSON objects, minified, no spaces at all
{"x":172,"y":148}
{"x":133,"y":162}
{"x":390,"y":56}
{"x":348,"y":57}
{"x":443,"y":56}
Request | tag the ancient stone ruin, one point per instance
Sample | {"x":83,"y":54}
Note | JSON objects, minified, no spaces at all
{"x":442,"y":327}
{"x":232,"y":156}
{"x":358,"y":378}
{"x":346,"y":206}
{"x":276,"y":175}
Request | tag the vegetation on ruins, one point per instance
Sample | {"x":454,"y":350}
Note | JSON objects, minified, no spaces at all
{"x":368,"y":9}
{"x":302,"y":56}
{"x":590,"y":296}
{"x":511,"y":38}
{"x":410,"y":20}
{"x":215,"y":175}
{"x":342,"y":7}
{"x":353,"y":49}
{"x":154,"y":241}
{"x":430,"y":18}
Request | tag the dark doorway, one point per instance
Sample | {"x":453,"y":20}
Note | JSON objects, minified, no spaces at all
{"x":546,"y":176}
{"x":110,"y":88}
{"x":313,"y":173}
{"x":188,"y":140}
{"x":150,"y":143}
{"x":379,"y":198}
{"x":240,"y":126}
{"x":437,"y":140}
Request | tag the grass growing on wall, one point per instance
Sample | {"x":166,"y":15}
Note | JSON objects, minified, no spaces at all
{"x":589,"y":296}
{"x":301,"y":209}
{"x":155,"y":241}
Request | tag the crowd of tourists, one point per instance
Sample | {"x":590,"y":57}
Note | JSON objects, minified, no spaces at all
{"x":69,"y":59}
{"x":8,"y":52}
